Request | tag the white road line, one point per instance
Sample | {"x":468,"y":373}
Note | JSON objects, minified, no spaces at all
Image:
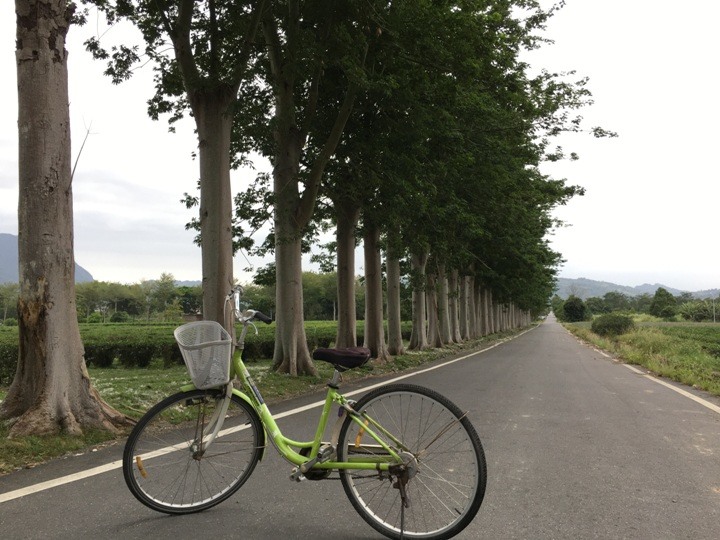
{"x":36,"y":488}
{"x":705,"y":403}
{"x":674,"y":388}
{"x":9,"y":496}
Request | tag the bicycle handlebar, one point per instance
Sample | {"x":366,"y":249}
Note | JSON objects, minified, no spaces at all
{"x":262,"y":317}
{"x":248,"y":315}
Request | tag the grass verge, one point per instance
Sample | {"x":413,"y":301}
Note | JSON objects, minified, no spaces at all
{"x":683,"y":352}
{"x":133,"y":391}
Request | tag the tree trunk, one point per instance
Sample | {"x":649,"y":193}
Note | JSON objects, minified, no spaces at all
{"x":374,"y":330}
{"x":454,"y":306}
{"x":395,"y":340}
{"x":478,"y":309}
{"x":431,"y":297}
{"x":418,"y":338}
{"x":213,"y":118}
{"x":486,"y":312}
{"x":444,"y":306}
{"x":347,"y":215}
{"x":51,"y":392}
{"x":492,"y":318}
{"x":291,"y":350}
{"x":464,"y":311}
{"x":472,"y":319}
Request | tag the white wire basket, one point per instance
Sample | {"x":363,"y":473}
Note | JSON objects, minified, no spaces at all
{"x":206,"y":348}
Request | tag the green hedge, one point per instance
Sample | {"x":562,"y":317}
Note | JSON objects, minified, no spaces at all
{"x":8,"y":353}
{"x":129,"y":345}
{"x":136,"y":345}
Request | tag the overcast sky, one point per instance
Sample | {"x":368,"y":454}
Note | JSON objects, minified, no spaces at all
{"x":652,"y":195}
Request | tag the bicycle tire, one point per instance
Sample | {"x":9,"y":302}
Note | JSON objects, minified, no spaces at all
{"x":163,"y":467}
{"x":450,"y":476}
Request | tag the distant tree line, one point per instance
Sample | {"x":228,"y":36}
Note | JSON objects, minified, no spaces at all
{"x":162,"y":300}
{"x":662,"y":304}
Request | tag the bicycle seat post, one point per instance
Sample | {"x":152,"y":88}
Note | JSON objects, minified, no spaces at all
{"x":335,"y":381}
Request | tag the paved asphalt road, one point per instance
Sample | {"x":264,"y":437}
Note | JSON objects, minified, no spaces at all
{"x":578,"y":446}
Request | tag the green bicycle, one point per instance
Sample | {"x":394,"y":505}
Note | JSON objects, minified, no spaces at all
{"x":409,"y":459}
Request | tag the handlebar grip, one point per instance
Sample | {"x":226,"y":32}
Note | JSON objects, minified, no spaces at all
{"x":262,"y":317}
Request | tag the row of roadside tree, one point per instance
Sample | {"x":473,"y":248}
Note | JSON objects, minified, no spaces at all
{"x":416,"y":127}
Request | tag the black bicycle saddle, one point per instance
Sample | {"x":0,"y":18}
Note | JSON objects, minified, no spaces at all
{"x":342,"y":359}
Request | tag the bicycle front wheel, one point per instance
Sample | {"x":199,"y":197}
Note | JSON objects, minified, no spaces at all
{"x":168,"y":464}
{"x":446,"y":470}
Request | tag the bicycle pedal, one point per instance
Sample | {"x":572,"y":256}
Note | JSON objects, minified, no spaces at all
{"x":297,"y":476}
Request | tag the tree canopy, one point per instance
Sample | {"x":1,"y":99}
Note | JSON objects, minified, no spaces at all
{"x":415,"y":125}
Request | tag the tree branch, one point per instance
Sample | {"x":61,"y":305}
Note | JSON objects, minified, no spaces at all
{"x":242,"y":65}
{"x":183,"y":49}
{"x":311,"y":108}
{"x":307,"y":202}
{"x":272,"y":40}
{"x":214,"y":62}
{"x":77,"y":159}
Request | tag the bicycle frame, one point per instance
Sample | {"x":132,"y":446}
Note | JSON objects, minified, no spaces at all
{"x":378,"y":457}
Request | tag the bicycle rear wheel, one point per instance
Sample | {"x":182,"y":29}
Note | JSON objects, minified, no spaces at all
{"x":167,"y":465}
{"x":447,"y":469}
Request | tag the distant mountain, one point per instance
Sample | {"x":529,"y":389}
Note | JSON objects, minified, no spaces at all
{"x":9,"y":262}
{"x":194,"y":283}
{"x":588,"y":288}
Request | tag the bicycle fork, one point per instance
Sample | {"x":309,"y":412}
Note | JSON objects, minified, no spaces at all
{"x":202,"y":441}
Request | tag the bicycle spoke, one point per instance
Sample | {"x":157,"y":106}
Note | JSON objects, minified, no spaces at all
{"x":443,"y":477}
{"x":181,"y":474}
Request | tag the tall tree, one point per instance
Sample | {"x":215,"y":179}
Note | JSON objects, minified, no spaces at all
{"x":203,"y":53}
{"x":304,"y":41}
{"x":663,"y":304}
{"x":51,"y":391}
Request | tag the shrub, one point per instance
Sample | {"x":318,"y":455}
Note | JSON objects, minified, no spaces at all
{"x":10,"y":322}
{"x":612,"y":324}
{"x":574,"y":309}
{"x":8,"y":362}
{"x":136,"y":355}
{"x":99,"y":355}
{"x":120,"y":316}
